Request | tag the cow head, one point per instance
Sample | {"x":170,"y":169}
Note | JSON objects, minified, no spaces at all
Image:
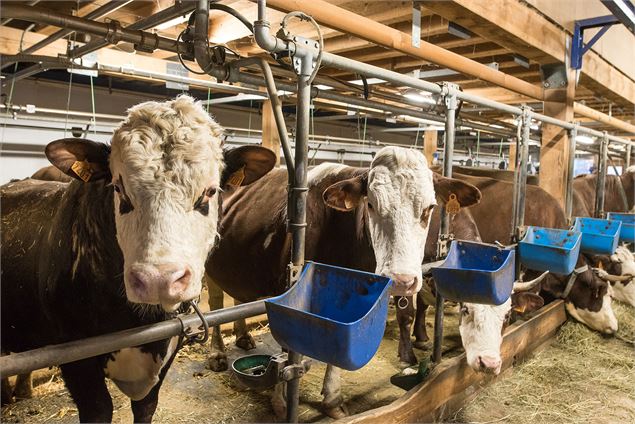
{"x":399,"y":192}
{"x":167,"y":169}
{"x":589,"y":300}
{"x":619,"y":271}
{"x":482,"y":326}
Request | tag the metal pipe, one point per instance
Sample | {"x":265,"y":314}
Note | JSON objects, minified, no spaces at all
{"x":64,"y":353}
{"x":628,"y":156}
{"x":6,"y":21}
{"x":149,"y":22}
{"x":276,"y":105}
{"x":112,"y":30}
{"x":524,"y":156}
{"x":569,"y":193}
{"x":601,"y":180}
{"x":95,"y":14}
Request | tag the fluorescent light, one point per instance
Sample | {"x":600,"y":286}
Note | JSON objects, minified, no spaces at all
{"x":435,"y":128}
{"x":323,"y":87}
{"x":240,"y":97}
{"x":497,"y":126}
{"x":284,"y":93}
{"x":369,"y":81}
{"x":391,"y":120}
{"x":584,"y":139}
{"x":172,"y":22}
{"x":419,"y":96}
{"x":582,"y":153}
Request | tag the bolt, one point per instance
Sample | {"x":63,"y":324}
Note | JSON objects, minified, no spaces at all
{"x":547,"y":84}
{"x":562,"y":84}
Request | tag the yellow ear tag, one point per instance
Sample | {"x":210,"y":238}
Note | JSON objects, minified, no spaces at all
{"x":82,"y":169}
{"x":237,"y":178}
{"x":452,"y":206}
{"x":520,"y":309}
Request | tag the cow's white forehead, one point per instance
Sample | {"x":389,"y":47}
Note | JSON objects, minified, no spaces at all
{"x":484,"y":315}
{"x":172,"y":146}
{"x":403,"y":173}
{"x":622,"y":254}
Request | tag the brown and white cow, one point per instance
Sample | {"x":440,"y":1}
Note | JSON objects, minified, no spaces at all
{"x":619,"y":193}
{"x":619,"y":270}
{"x":373,"y":219}
{"x":122,"y":245}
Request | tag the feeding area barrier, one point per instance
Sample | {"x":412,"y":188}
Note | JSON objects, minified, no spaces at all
{"x":476,"y":273}
{"x":550,"y":249}
{"x":627,"y":231}
{"x":332,"y":314}
{"x":599,"y":236}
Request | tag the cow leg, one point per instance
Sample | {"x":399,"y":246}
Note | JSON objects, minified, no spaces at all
{"x":6,"y":395}
{"x":143,"y":410}
{"x":243,"y":338}
{"x":405,"y":317}
{"x":333,"y":402}
{"x":217,"y":360}
{"x":279,"y":400}
{"x":419,"y":330}
{"x":24,"y":386}
{"x":86,"y":383}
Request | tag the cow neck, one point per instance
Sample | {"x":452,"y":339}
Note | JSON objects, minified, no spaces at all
{"x":341,"y":232}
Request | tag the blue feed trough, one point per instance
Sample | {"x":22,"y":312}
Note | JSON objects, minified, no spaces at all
{"x":627,"y":233}
{"x":332,"y":314}
{"x":550,"y":249}
{"x":599,"y":236}
{"x":477,"y":273}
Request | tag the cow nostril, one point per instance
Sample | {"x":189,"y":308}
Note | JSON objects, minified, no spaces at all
{"x":137,"y":280}
{"x":179,"y":281}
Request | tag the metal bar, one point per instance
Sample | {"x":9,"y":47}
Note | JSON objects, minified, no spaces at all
{"x":569,"y":200}
{"x":95,"y":14}
{"x":595,"y":38}
{"x":6,"y":21}
{"x":64,"y":353}
{"x":628,"y":156}
{"x":624,"y":11}
{"x":149,"y":22}
{"x":111,"y":30}
{"x":526,"y":123}
{"x":601,"y":180}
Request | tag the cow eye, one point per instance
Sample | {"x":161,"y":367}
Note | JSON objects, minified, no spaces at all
{"x":370,"y":206}
{"x":116,"y":188}
{"x":202,"y":203}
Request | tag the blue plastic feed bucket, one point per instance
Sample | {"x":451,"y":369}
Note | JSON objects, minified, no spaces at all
{"x":477,"y":273}
{"x":599,"y":236}
{"x":550,"y":249}
{"x":332,"y":314}
{"x":627,"y":233}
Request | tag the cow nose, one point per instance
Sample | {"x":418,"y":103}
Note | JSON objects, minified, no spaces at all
{"x":489,"y":364}
{"x":168,"y":281}
{"x":610,"y":330}
{"x":403,"y":279}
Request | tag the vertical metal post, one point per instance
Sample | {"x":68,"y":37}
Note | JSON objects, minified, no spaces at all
{"x":297,"y":206}
{"x":601,"y":180}
{"x":520,"y":184}
{"x":449,"y":93}
{"x":569,"y":194}
{"x":628,"y":156}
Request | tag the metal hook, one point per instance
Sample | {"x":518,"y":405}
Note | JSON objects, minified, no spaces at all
{"x":205,"y":336}
{"x":404,"y":298}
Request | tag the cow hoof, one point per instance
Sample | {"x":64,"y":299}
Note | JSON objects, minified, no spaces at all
{"x":338,"y":412}
{"x":421,"y":344}
{"x":217,"y":361}
{"x":408,"y":358}
{"x":246,"y":342}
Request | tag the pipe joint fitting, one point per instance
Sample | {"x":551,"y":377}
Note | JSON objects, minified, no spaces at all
{"x":114,"y":34}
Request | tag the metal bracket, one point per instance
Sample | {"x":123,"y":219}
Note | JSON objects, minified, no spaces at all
{"x":578,"y":46}
{"x":526,"y":116}
{"x":443,"y":245}
{"x":295,"y":371}
{"x":519,"y":234}
{"x":449,"y":93}
{"x":553,"y":75}
{"x":293,"y":274}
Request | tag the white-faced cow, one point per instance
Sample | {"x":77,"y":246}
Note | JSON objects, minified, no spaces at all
{"x":122,"y":245}
{"x":619,"y":270}
{"x":373,"y":219}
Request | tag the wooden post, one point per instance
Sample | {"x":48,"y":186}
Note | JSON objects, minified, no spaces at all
{"x":512,"y":155}
{"x":430,"y":138}
{"x":270,"y":138}
{"x":554,"y":148}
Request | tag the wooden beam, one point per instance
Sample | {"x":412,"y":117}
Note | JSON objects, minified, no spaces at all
{"x":554,"y":147}
{"x":430,"y":138}
{"x":448,"y":383}
{"x":270,"y":138}
{"x":527,"y":32}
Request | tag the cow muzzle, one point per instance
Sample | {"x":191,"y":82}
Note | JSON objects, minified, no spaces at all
{"x":489,"y":364}
{"x":166,"y":284}
{"x":405,"y":284}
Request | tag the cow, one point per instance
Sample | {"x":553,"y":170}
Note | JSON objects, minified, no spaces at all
{"x":373,"y":219}
{"x":122,"y":245}
{"x":588,"y":300}
{"x":619,"y":270}
{"x":619,"y":193}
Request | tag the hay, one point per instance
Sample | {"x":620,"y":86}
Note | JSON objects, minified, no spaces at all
{"x":581,"y":377}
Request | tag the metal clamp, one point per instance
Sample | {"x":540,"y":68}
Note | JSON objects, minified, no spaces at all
{"x":443,"y":245}
{"x":145,"y":45}
{"x":293,"y":274}
{"x":295,"y":371}
{"x":114,"y":34}
{"x":449,"y":93}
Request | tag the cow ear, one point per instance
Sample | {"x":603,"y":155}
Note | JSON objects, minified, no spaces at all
{"x":246,"y":164}
{"x":466,"y":194}
{"x":82,"y":159}
{"x":526,"y":302}
{"x":347,"y":194}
